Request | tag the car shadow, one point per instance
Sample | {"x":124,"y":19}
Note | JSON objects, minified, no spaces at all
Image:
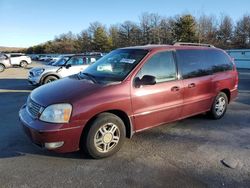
{"x":15,"y":84}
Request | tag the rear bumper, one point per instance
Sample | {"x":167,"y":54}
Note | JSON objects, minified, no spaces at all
{"x":42,"y":134}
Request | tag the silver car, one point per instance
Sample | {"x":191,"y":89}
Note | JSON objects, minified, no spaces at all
{"x":4,"y":62}
{"x":60,"y":69}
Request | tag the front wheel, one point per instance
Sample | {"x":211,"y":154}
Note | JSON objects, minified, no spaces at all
{"x":219,"y":106}
{"x":104,"y":136}
{"x":49,"y":79}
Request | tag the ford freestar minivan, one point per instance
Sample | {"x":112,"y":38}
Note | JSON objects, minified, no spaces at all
{"x":127,"y":91}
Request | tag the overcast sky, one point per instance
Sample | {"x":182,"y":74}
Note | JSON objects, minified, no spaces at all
{"x":29,"y":22}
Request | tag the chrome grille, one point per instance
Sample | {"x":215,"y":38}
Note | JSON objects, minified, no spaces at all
{"x":34,"y":108}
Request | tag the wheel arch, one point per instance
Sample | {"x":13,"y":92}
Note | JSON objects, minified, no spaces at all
{"x":227,"y":92}
{"x":48,"y":74}
{"x":121,"y":114}
{"x":23,"y":60}
{"x":3,"y":65}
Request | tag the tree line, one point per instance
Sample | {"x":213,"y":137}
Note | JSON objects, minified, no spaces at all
{"x":152,"y":29}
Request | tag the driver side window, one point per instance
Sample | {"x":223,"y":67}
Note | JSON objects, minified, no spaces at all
{"x":161,"y":66}
{"x":75,"y":61}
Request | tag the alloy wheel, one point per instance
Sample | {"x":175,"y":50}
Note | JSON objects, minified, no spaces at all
{"x":220,"y":106}
{"x":107,"y":137}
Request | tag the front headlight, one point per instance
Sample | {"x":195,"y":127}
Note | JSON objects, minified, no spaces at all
{"x":57,"y":113}
{"x":38,"y":72}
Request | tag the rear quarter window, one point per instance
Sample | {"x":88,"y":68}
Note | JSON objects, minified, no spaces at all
{"x":218,"y":60}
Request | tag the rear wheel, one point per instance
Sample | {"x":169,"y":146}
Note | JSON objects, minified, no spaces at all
{"x":49,"y":79}
{"x":23,"y":64}
{"x":2,"y":67}
{"x":104,"y":137}
{"x":219,"y":106}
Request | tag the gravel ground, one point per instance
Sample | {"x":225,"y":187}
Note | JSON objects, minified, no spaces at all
{"x":187,"y":153}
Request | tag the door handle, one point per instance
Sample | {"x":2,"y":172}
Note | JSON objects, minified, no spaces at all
{"x":175,"y":88}
{"x":191,"y":85}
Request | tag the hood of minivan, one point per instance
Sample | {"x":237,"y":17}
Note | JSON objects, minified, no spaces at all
{"x":64,"y":90}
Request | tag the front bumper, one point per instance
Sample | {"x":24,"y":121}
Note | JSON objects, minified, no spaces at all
{"x":66,"y":137}
{"x":34,"y":80}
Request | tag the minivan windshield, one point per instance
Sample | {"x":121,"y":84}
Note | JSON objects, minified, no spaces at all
{"x":115,"y":66}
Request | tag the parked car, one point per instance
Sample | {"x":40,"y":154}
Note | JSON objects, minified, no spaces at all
{"x":44,"y":58}
{"x":19,"y":59}
{"x":34,"y":57}
{"x":4,"y":62}
{"x":60,"y":69}
{"x":128,"y":91}
{"x":58,"y":59}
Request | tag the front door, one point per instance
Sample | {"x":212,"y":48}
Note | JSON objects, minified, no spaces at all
{"x":159,"y":103}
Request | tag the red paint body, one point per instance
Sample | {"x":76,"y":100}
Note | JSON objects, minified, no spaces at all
{"x":144,"y":107}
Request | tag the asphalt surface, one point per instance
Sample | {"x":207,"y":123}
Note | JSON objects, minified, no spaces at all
{"x":187,"y":153}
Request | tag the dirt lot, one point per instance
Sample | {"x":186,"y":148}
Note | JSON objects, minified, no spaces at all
{"x":187,"y":153}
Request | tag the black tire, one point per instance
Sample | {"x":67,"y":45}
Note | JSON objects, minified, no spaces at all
{"x":217,"y":112}
{"x":92,"y":135}
{"x":23,"y":64}
{"x":2,"y":67}
{"x":49,"y":79}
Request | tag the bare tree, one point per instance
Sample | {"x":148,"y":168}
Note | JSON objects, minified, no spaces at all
{"x":145,"y":27}
{"x":225,"y":32}
{"x":242,"y":33}
{"x":206,"y":29}
{"x":129,"y":33}
{"x":166,"y":32}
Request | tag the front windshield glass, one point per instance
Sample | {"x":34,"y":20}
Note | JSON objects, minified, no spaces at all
{"x":116,"y":65}
{"x":61,"y":61}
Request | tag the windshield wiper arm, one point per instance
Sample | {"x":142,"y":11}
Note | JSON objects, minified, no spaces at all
{"x":90,"y":76}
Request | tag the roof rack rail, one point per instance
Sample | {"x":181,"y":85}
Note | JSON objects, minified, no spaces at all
{"x":193,"y":44}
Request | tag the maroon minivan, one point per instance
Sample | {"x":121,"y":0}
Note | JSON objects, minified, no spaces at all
{"x":127,"y":91}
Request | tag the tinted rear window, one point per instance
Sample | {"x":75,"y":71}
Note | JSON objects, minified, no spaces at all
{"x":218,"y":60}
{"x":196,"y":63}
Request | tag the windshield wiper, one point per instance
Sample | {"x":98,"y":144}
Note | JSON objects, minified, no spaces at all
{"x":90,"y":76}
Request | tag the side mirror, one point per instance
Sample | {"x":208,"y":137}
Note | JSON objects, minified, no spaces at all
{"x":145,"y":80}
{"x":68,"y":66}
